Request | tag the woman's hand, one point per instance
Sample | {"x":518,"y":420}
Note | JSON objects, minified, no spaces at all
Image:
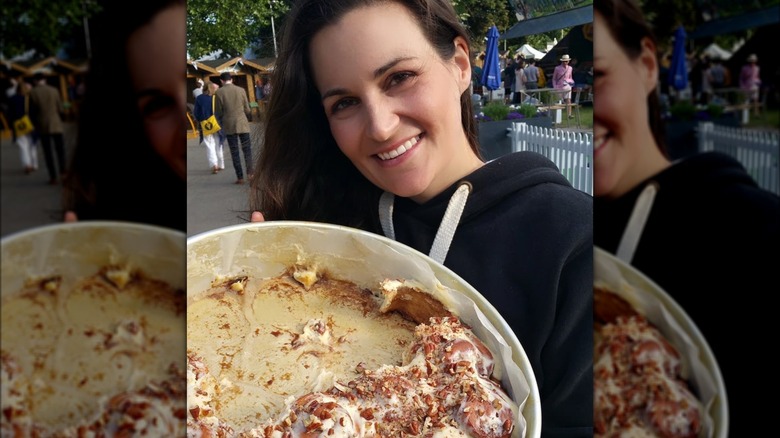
{"x":70,"y":216}
{"x":257,"y":217}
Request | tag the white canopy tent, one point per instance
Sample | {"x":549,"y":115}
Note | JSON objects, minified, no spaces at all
{"x":527,"y":51}
{"x":714,"y":51}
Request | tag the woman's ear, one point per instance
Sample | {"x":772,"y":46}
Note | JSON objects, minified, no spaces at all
{"x":462,"y":62}
{"x":649,"y":64}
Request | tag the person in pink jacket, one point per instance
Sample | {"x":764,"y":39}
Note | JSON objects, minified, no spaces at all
{"x":562,"y":79}
{"x":750,"y":81}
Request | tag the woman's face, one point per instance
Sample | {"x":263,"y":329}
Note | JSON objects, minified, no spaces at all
{"x":393,"y":105}
{"x":620,"y":117}
{"x":154,"y":54}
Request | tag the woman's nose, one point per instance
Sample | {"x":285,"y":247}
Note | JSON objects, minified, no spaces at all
{"x":382,"y":118}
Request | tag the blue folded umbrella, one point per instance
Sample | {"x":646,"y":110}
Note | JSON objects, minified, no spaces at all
{"x":678,"y":70}
{"x":491,"y":70}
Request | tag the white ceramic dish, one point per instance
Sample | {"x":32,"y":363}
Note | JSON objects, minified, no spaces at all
{"x":664,"y":312}
{"x":266,"y":249}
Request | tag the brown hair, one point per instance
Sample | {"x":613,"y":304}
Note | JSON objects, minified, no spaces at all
{"x":301,"y":174}
{"x":628,"y":26}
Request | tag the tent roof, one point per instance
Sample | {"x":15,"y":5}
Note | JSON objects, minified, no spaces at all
{"x":527,"y":49}
{"x":737,"y":23}
{"x":716,"y":51}
{"x":546,"y":23}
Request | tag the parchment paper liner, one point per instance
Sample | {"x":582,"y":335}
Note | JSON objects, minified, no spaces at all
{"x":80,"y":249}
{"x":698,"y":362}
{"x":267,"y":249}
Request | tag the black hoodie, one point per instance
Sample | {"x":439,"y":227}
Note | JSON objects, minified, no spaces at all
{"x":525,"y":243}
{"x":712,"y":241}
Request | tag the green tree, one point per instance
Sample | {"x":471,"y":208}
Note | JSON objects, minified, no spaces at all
{"x":43,"y":25}
{"x":479,"y":15}
{"x":230,"y":25}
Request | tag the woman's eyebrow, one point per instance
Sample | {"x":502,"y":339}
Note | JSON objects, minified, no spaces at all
{"x":148,"y":92}
{"x":377,"y":73}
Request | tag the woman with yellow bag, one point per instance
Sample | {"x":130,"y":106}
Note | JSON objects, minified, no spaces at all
{"x":213,"y":138}
{"x":24,"y":134}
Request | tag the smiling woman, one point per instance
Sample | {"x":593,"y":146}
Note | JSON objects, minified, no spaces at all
{"x":379,"y":133}
{"x":137,"y":172}
{"x":692,"y":225}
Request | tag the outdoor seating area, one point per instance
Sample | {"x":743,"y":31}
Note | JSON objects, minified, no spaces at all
{"x":551,"y":100}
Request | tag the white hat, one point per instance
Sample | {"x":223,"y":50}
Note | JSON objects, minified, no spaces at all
{"x":752,"y":58}
{"x":565,"y":58}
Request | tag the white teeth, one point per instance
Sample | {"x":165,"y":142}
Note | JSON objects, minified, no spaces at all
{"x":400,"y":150}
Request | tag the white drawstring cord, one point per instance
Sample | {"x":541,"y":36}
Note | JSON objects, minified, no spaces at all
{"x":447,"y":228}
{"x":636,"y":223}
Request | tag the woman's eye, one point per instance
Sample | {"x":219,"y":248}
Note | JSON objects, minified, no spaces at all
{"x":157,"y":107}
{"x":342,"y":104}
{"x":399,"y":78}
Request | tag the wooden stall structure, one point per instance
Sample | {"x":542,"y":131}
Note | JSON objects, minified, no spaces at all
{"x":68,"y":76}
{"x":246,"y":73}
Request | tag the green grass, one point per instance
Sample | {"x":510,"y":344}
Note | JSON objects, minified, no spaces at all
{"x":586,"y":117}
{"x":769,"y":119}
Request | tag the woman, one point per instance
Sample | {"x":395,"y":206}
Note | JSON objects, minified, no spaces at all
{"x":136,"y":173}
{"x":709,"y":228}
{"x":750,"y":81}
{"x":204,"y":108}
{"x":378,"y":133}
{"x":563,"y":80}
{"x":19,"y":106}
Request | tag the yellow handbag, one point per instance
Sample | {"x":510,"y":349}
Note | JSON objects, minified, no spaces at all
{"x":23,"y":126}
{"x":210,"y":125}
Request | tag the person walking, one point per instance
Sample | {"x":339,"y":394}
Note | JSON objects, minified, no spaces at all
{"x":232,"y":109}
{"x":18,"y":107}
{"x":531,"y":74}
{"x":750,"y":81}
{"x":204,"y":108}
{"x":508,"y":75}
{"x":197,"y":91}
{"x":46,"y":109}
{"x":563,"y":80}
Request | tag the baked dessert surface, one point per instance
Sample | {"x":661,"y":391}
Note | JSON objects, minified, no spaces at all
{"x":81,"y":358}
{"x":302,"y":354}
{"x":638,"y":387}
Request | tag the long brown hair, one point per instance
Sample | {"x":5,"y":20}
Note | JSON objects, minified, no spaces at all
{"x":301,"y":174}
{"x":120,"y":177}
{"x":628,"y":26}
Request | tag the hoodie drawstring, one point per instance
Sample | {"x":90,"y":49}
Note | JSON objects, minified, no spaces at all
{"x":636,"y":223}
{"x":449,"y":223}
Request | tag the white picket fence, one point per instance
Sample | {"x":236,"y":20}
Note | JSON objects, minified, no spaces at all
{"x":571,"y":151}
{"x":758,"y":151}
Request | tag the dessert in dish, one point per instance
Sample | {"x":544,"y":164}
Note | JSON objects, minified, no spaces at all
{"x":303,"y":354}
{"x":638,"y":386}
{"x":97,"y":356}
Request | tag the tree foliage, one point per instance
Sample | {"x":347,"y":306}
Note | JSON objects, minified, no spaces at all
{"x":479,"y":15}
{"x":44,"y":26}
{"x":230,"y":25}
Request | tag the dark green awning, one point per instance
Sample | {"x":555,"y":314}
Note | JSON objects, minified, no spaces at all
{"x":546,"y":23}
{"x":750,"y":20}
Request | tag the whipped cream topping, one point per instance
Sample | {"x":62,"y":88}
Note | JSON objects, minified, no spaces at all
{"x":638,"y":387}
